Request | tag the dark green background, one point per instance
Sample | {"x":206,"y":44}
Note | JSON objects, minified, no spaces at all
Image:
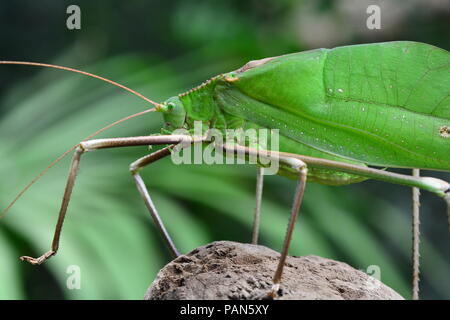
{"x":162,"y":48}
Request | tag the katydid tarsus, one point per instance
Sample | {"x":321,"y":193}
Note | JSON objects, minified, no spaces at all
{"x":344,"y":115}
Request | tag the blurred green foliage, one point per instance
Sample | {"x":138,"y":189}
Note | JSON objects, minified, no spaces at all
{"x":160,"y":49}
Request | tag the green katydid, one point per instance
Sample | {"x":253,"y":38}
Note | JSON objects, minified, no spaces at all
{"x":338,"y":112}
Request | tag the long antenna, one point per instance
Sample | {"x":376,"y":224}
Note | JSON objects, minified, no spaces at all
{"x":37,"y":64}
{"x":62,"y":156}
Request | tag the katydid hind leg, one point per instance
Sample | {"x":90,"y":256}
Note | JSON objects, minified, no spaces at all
{"x":415,"y":254}
{"x":91,"y":145}
{"x":257,"y":216}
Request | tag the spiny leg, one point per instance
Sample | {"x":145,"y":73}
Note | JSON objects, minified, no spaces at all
{"x":135,"y":167}
{"x":257,"y":216}
{"x":415,"y":238}
{"x":89,"y":146}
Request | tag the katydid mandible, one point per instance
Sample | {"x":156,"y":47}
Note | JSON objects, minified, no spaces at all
{"x":340,"y":112}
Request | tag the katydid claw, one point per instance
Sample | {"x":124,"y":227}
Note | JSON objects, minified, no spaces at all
{"x":274,"y":291}
{"x":40,"y":260}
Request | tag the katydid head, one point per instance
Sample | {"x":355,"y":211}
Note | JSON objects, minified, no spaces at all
{"x":174,"y":113}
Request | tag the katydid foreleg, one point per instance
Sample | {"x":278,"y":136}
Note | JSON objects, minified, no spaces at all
{"x":135,"y":167}
{"x":91,"y":145}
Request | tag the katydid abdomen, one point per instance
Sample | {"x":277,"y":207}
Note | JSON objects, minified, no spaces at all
{"x":380,"y":104}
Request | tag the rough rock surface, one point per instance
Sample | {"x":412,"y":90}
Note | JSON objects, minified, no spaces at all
{"x":231,"y":270}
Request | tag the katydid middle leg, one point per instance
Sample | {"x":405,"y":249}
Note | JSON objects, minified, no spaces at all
{"x":91,"y":145}
{"x":298,"y":166}
{"x":257,"y":216}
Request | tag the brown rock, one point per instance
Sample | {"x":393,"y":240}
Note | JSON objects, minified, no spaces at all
{"x":231,"y":270}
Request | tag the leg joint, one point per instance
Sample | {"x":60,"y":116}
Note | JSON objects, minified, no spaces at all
{"x":135,"y":167}
{"x":296,"y":164}
{"x":80,"y":148}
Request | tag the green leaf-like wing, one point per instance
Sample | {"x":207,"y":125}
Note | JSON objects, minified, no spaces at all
{"x":381,"y":104}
